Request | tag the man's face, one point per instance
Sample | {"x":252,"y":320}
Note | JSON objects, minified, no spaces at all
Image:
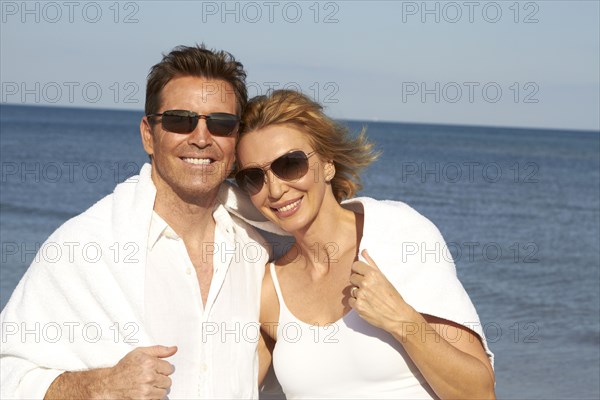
{"x":191,"y":166}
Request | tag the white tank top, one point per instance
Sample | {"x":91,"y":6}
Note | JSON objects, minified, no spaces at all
{"x":348,"y":358}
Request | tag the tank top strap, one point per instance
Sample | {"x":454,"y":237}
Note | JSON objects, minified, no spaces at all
{"x":276,"y":283}
{"x":284,"y":313}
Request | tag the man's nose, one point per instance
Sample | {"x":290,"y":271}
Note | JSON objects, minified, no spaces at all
{"x":201,"y":136}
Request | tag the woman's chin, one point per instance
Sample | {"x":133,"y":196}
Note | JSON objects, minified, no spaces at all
{"x":290,"y":225}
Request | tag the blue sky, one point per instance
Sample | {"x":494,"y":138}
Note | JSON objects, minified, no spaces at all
{"x":503,"y":63}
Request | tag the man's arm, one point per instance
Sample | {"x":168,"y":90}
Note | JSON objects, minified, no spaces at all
{"x":141,"y":374}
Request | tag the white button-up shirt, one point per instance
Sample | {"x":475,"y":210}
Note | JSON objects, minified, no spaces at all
{"x":216,"y":356}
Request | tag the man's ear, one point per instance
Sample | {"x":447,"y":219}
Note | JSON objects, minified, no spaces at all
{"x":147,"y":136}
{"x":329,"y":171}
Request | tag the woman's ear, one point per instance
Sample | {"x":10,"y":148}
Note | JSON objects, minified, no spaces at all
{"x":329,"y":171}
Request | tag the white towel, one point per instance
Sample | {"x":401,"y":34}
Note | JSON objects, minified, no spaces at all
{"x":80,"y":303}
{"x":411,"y":252}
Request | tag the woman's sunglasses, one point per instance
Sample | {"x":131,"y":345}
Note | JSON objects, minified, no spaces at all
{"x":183,"y":121}
{"x":289,"y":167}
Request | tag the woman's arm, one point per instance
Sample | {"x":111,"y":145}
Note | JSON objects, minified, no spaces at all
{"x":450,"y":357}
{"x":269,"y":315}
{"x":462,"y":341}
{"x":264,"y":356}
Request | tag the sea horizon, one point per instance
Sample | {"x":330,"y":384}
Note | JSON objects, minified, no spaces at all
{"x":350,"y":120}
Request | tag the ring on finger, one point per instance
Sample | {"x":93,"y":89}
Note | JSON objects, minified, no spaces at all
{"x":353,"y":291}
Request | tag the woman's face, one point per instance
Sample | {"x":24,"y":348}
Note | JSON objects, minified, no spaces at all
{"x":292,"y":205}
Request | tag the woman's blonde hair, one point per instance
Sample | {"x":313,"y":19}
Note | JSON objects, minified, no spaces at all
{"x":330,"y":139}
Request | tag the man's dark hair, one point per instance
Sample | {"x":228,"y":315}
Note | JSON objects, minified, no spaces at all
{"x":200,"y":62}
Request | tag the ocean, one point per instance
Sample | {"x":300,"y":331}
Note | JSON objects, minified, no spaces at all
{"x":519,"y":209}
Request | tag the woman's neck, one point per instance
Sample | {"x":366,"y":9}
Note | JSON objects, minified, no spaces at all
{"x":336,"y":232}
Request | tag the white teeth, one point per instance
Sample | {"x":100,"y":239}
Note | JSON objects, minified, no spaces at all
{"x":289,"y":206}
{"x":197,"y":161}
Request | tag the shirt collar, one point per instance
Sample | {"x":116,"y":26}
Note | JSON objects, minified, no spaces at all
{"x":159,"y":227}
{"x":223,"y":221}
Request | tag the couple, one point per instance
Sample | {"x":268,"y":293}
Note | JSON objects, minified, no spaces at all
{"x":175,"y":312}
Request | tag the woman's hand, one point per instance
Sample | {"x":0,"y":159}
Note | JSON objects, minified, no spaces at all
{"x":455,"y":367}
{"x":375,"y":299}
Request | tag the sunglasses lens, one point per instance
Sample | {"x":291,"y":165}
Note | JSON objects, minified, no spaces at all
{"x":221,"y":124}
{"x":291,"y":166}
{"x":182,"y":121}
{"x":179,"y":122}
{"x":251,"y":180}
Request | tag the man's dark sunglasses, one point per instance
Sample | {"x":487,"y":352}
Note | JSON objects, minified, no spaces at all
{"x":183,"y":121}
{"x":289,"y":167}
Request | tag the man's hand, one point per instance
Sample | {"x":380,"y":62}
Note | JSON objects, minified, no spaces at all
{"x":141,"y":374}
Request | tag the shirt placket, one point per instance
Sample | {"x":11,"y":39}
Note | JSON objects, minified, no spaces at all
{"x":205,"y":349}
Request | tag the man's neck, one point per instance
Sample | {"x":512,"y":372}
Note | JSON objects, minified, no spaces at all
{"x":191,"y":221}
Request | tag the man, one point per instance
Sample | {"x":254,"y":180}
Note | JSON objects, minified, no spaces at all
{"x":157,"y":270}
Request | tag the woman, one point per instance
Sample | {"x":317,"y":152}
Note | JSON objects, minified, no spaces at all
{"x":366,"y":303}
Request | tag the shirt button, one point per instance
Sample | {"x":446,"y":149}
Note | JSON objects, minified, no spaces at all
{"x":203,"y":368}
{"x":188,"y":271}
